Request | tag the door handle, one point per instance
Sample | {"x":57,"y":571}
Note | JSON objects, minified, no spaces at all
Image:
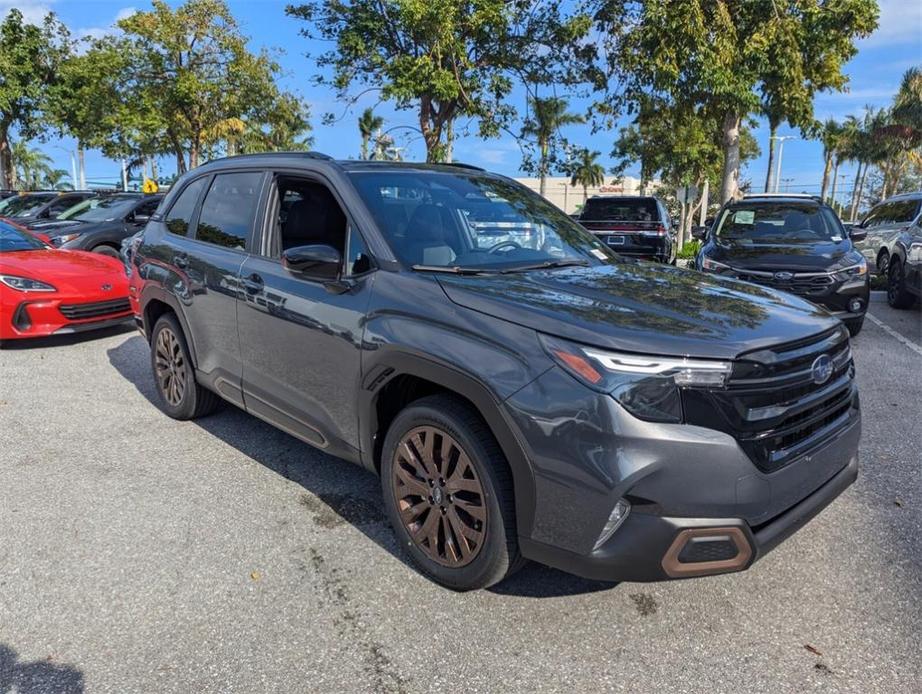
{"x":181,"y":260}
{"x":253,"y":284}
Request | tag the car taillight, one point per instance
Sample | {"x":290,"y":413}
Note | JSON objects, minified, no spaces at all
{"x":660,"y":230}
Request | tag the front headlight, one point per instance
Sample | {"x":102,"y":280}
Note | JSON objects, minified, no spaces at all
{"x":24,"y":284}
{"x":713,"y":266}
{"x":64,"y":238}
{"x":649,"y":387}
{"x":857,"y":267}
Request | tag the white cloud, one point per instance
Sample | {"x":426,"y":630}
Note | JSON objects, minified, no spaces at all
{"x":898,"y":24}
{"x":32,"y":12}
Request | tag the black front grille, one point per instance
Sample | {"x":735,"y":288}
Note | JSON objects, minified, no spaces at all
{"x":773,"y":406}
{"x":95,"y":310}
{"x":798,"y":283}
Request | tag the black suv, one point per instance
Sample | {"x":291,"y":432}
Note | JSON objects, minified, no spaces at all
{"x":100,"y":224}
{"x":29,"y":208}
{"x":535,"y":396}
{"x":637,"y":227}
{"x":794,"y":243}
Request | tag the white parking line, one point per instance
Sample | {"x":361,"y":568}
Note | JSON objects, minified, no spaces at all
{"x":893,"y":333}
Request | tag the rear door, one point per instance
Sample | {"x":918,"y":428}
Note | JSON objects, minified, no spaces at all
{"x":210,"y":258}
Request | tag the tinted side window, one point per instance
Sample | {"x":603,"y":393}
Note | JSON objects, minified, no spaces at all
{"x":229,"y":210}
{"x":146,"y":209}
{"x":180,"y":214}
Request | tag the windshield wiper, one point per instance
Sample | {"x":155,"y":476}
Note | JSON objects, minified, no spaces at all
{"x":452,"y":269}
{"x":546,"y":265}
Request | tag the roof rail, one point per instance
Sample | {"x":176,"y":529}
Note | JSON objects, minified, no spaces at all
{"x":256,"y":155}
{"x":746,"y":196}
{"x":462,"y":165}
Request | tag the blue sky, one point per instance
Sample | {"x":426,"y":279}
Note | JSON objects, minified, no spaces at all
{"x":874,"y":78}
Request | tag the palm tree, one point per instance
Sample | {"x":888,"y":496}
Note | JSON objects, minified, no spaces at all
{"x":368,"y":124}
{"x":829,"y":134}
{"x":548,"y":115}
{"x":587,"y":171}
{"x":54,"y":179}
{"x":30,"y":165}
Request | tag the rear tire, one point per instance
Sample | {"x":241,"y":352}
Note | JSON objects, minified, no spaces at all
{"x":897,"y":294}
{"x":103,"y":249}
{"x":181,"y":397}
{"x":448,"y":494}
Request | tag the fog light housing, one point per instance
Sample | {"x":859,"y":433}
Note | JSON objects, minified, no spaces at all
{"x":855,"y":305}
{"x":618,"y":514}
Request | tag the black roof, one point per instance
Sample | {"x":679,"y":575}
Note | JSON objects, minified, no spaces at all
{"x":295,"y":158}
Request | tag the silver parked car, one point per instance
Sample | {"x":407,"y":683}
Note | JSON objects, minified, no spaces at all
{"x":884,"y":224}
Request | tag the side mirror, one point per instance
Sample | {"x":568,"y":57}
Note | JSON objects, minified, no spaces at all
{"x":856,"y":233}
{"x":699,"y":232}
{"x":141,"y":218}
{"x":317,"y":260}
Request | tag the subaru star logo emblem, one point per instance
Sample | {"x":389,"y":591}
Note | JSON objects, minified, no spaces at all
{"x":821,"y":369}
{"x":107,"y":287}
{"x":784,"y":276}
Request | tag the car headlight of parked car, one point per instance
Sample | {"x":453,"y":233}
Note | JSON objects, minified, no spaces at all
{"x":713,"y":266}
{"x":24,"y":284}
{"x":647,"y":386}
{"x":915,"y":253}
{"x":852,"y":266}
{"x":64,"y":238}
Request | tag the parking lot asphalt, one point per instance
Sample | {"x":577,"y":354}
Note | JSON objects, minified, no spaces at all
{"x":140,"y":554}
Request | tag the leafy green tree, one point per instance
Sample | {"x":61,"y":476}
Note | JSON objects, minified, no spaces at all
{"x":586,"y":171}
{"x":282,"y":124}
{"x":445,"y":59}
{"x":192,"y":67}
{"x":548,"y":116}
{"x":715,"y":54}
{"x":29,"y":59}
{"x":830,"y":135}
{"x":369,"y":123}
{"x":56,"y":180}
{"x":31,"y":166}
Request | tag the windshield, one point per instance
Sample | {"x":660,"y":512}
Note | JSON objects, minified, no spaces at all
{"x":782,"y":222}
{"x":12,"y":239}
{"x":621,"y":210}
{"x":101,"y":209}
{"x":472,"y":220}
{"x":25,"y":205}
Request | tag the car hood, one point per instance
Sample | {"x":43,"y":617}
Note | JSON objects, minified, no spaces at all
{"x":69,"y":271}
{"x":805,"y":257}
{"x":642,"y":307}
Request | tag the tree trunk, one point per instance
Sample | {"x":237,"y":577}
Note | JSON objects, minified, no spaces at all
{"x":827,"y":167}
{"x":864,"y":175}
{"x":585,"y":194}
{"x":449,"y":140}
{"x":835,"y":182}
{"x":772,"y":129}
{"x":854,"y":205}
{"x":431,"y":135}
{"x":6,"y":159}
{"x":180,"y":162}
{"x":193,"y":153}
{"x":81,"y":166}
{"x":542,"y":167}
{"x":731,"y":147}
{"x":364,"y":146}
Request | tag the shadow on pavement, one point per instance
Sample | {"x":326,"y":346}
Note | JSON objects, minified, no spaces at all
{"x":67,"y":339}
{"x":37,"y":677}
{"x":326,"y":478}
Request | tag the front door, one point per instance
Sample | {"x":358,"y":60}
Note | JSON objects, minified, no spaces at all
{"x":301,"y":336}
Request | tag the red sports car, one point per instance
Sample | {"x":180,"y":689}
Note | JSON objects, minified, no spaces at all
{"x":47,"y":291}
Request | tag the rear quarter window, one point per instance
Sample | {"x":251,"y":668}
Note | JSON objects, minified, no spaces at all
{"x":229,"y":209}
{"x":180,"y":215}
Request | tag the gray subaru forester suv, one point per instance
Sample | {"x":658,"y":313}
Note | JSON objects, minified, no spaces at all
{"x":522,"y":391}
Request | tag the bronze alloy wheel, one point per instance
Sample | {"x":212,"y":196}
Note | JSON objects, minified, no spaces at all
{"x":439,"y":496}
{"x":170,"y":366}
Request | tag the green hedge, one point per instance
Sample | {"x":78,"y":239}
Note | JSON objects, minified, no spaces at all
{"x":689,"y":250}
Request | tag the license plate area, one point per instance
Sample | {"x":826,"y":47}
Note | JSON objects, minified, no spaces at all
{"x":616,"y":240}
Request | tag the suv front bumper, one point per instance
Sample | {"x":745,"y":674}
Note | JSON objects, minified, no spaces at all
{"x":687,"y":485}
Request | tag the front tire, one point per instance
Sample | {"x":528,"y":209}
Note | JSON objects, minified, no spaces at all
{"x":897,"y":294}
{"x":103,"y":249}
{"x":448,"y":494}
{"x":181,"y":397}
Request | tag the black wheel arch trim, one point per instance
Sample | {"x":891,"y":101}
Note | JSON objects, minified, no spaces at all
{"x":384,"y":365}
{"x":154,"y":293}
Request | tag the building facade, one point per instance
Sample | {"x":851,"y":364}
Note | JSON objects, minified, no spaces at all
{"x":570,"y":198}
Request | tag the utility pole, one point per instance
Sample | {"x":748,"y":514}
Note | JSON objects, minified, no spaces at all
{"x":780,"y":139}
{"x":124,"y":176}
{"x":704,"y":203}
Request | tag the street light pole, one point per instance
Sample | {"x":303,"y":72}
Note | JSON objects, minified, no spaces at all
{"x":780,"y":139}
{"x":73,"y":165}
